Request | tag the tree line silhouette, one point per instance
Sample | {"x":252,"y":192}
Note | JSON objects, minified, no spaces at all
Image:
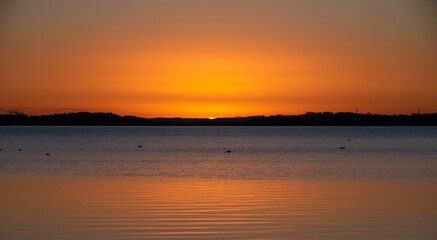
{"x":307,"y":119}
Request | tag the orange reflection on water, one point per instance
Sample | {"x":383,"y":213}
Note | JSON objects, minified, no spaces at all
{"x":113,"y":208}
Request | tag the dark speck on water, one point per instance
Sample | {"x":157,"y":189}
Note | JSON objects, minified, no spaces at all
{"x":140,"y":146}
{"x":47,"y":154}
{"x":228,"y":151}
{"x":342,"y":147}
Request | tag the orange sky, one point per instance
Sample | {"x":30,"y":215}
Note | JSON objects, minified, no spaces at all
{"x":195,"y":58}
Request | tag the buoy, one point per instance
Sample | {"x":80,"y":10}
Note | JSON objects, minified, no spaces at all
{"x":228,"y":151}
{"x":47,"y":154}
{"x":342,"y":147}
{"x":19,"y":149}
{"x":140,"y":146}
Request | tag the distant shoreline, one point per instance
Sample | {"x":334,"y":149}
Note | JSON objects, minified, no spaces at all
{"x":307,"y":119}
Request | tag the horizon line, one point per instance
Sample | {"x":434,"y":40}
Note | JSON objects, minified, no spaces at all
{"x":17,"y":112}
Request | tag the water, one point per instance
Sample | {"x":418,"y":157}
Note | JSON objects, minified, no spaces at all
{"x":200,"y":152}
{"x":276,"y":183}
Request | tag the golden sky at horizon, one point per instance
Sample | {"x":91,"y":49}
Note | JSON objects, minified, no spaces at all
{"x":210,"y":58}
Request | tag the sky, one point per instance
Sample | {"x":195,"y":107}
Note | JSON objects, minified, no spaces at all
{"x":211,"y":58}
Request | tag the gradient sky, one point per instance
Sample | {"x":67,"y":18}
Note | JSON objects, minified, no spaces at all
{"x":206,"y":58}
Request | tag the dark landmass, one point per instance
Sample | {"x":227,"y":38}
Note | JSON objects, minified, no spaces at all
{"x":307,"y":119}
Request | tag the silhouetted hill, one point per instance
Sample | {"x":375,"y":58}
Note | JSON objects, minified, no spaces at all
{"x":308,"y":119}
{"x":73,"y":119}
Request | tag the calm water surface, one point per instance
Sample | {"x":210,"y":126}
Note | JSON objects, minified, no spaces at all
{"x":276,"y":183}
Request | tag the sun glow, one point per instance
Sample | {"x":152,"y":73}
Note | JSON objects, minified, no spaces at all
{"x":202,"y":83}
{"x":214,"y":58}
